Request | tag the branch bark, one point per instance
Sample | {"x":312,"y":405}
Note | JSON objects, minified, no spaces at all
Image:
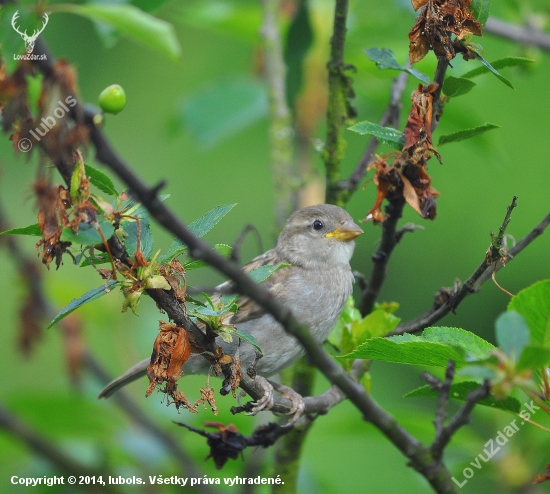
{"x":339,"y":87}
{"x":472,"y":285}
{"x":527,"y":35}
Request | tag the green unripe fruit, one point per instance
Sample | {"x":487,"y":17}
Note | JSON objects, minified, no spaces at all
{"x":112,"y":99}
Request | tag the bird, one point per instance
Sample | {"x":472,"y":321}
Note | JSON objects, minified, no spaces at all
{"x":316,"y":244}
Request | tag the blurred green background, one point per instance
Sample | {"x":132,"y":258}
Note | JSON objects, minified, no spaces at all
{"x":200,"y":123}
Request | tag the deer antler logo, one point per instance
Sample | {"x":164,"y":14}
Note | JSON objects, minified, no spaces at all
{"x":29,"y":40}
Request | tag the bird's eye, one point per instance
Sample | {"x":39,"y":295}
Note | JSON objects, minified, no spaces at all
{"x":318,"y":225}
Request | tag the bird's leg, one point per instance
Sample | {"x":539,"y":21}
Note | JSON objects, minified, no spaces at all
{"x":298,"y":406}
{"x":266,"y":401}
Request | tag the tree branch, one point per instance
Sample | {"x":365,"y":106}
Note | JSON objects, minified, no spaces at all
{"x":527,"y":35}
{"x":339,"y":87}
{"x":391,"y":118}
{"x":394,"y":211}
{"x":454,"y":297}
{"x":443,"y":433}
{"x":380,"y":259}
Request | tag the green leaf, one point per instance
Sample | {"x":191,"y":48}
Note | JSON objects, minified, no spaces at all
{"x":220,"y":111}
{"x":481,"y":10}
{"x":87,"y":234}
{"x":101,"y":258}
{"x":84,"y":299}
{"x":130,"y":22}
{"x":146,"y":241}
{"x":512,"y":333}
{"x":100,"y":180}
{"x":472,"y":344}
{"x":457,"y":86}
{"x":264,"y":272}
{"x":494,"y":71}
{"x":460,"y":391}
{"x":466,"y":133}
{"x":243,"y":335}
{"x":208,"y":221}
{"x":384,"y":58}
{"x":408,"y":349}
{"x":387,"y":135}
{"x":498,"y":64}
{"x":534,"y":358}
{"x":77,"y":195}
{"x":33,"y":230}
{"x":130,"y":207}
{"x":378,"y":323}
{"x":206,"y":311}
{"x":222,"y":249}
{"x":533,"y":303}
{"x":200,"y":228}
{"x":501,"y":63}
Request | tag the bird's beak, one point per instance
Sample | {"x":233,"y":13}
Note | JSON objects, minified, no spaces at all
{"x":347,"y":231}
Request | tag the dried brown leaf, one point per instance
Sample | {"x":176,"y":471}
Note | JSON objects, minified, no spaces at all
{"x":410,"y":195}
{"x":418,"y":3}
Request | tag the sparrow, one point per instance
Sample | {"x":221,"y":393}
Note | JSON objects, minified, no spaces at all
{"x":317,"y":243}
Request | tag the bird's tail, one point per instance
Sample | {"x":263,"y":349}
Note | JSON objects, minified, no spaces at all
{"x":133,"y":373}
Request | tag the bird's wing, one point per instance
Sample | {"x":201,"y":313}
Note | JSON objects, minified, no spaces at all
{"x":248,"y":309}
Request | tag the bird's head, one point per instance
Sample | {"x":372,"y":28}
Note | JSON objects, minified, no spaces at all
{"x":321,"y":234}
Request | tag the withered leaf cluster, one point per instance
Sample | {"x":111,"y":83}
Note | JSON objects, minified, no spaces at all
{"x":406,"y":176}
{"x":438,"y":20}
{"x":53,"y":205}
{"x":53,"y":128}
{"x":58,"y":210}
{"x":172,"y":348}
{"x":228,"y":442}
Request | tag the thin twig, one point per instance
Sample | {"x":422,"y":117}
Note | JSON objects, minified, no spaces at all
{"x":394,"y":211}
{"x":462,"y":417}
{"x":391,"y":118}
{"x":474,"y":282}
{"x":527,"y":35}
{"x":443,"y":388}
{"x":380,"y":259}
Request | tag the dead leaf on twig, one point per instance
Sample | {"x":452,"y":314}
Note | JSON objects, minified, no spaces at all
{"x":437,"y":21}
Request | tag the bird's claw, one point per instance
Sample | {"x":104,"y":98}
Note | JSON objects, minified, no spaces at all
{"x":298,"y":406}
{"x":267,"y":401}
